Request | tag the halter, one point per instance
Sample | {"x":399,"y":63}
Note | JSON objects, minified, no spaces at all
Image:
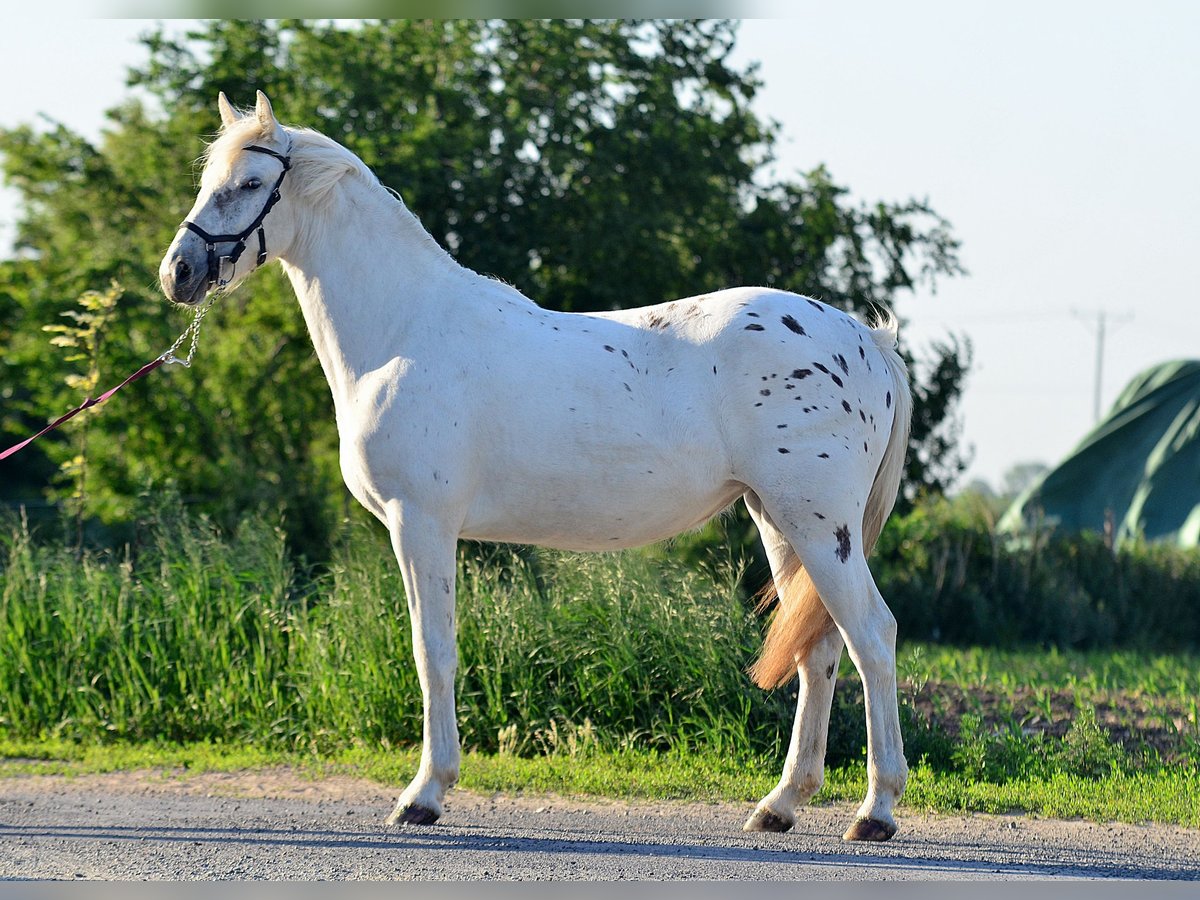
{"x":216,"y":264}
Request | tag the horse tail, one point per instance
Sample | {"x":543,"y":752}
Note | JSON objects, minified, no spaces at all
{"x":801,"y":619}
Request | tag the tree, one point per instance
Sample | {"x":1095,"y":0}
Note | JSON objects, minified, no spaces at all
{"x":1020,"y":476}
{"x":592,"y":164}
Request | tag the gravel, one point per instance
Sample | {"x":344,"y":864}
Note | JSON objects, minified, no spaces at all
{"x":277,"y":825}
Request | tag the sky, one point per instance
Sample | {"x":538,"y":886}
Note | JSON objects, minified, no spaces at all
{"x":1060,"y":140}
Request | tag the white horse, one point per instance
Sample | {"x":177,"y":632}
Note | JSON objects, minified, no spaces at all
{"x":466,"y":411}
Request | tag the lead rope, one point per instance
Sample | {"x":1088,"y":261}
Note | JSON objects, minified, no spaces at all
{"x":166,"y":359}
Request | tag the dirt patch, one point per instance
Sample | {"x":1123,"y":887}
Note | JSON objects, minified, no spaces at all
{"x":1130,"y":718}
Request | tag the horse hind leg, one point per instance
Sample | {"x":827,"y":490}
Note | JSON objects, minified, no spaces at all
{"x":833,"y":557}
{"x":804,"y":767}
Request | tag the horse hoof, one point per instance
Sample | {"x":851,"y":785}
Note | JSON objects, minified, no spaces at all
{"x":869,"y":830}
{"x":413,"y":815}
{"x":765,"y":820}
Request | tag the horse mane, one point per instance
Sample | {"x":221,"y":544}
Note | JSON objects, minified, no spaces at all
{"x":319,"y":162}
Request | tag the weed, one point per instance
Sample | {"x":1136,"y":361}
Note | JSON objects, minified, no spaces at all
{"x":1087,"y":750}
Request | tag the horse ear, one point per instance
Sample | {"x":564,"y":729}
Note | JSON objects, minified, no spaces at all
{"x":266,"y":116}
{"x":228,"y":115}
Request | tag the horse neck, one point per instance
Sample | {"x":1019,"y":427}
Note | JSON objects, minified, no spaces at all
{"x":367,"y":274}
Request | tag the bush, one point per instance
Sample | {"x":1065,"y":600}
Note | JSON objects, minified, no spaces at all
{"x":949,"y":577}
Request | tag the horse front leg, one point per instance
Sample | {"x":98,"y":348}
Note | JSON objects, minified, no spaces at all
{"x":425,"y":548}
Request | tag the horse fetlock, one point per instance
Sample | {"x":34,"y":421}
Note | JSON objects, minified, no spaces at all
{"x":419,"y":804}
{"x":808,"y":784}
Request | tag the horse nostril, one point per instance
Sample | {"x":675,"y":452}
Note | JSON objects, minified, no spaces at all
{"x":182,"y":271}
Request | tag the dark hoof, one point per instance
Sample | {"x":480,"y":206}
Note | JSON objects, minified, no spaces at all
{"x":869,"y":830}
{"x":413,"y":815}
{"x":764,"y":820}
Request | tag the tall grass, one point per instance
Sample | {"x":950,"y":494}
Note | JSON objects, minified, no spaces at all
{"x":190,"y":636}
{"x":187,"y":640}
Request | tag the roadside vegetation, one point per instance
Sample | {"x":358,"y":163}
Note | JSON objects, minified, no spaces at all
{"x":614,"y":674}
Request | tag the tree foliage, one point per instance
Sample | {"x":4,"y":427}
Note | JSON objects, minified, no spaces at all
{"x":593,"y":165}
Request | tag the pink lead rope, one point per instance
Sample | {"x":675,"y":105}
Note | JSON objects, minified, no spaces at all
{"x":166,"y":358}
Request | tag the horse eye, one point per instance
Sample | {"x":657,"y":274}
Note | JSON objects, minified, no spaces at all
{"x":251,"y":184}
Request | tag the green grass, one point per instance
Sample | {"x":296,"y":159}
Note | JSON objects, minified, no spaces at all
{"x":617,"y":675}
{"x":1168,"y":796}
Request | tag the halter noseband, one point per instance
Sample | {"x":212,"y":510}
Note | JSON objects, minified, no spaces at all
{"x":217,"y":263}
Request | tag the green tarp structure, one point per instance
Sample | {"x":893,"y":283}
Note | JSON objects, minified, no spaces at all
{"x":1138,"y":469}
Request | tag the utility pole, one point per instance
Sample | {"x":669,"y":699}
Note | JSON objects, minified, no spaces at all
{"x":1101,"y":318}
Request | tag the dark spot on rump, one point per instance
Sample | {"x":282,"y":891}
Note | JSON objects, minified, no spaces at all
{"x":819,"y":516}
{"x":862,"y":354}
{"x":714,"y":370}
{"x":843,"y":543}
{"x":758,"y":404}
{"x":862,"y":415}
{"x":822,"y":456}
{"x":829,"y":671}
{"x":865,"y":447}
{"x":800,"y":374}
{"x":627,"y":387}
{"x":610,"y":349}
{"x":845,"y":406}
{"x":815,"y":305}
{"x":781,"y":426}
{"x":752,"y":314}
{"x":784,"y":450}
{"x":889,"y":399}
{"x":754,"y":326}
{"x":766,"y":392}
{"x":836,"y":380}
{"x":842,"y":364}
{"x":792,"y":324}
{"x":821,"y":367}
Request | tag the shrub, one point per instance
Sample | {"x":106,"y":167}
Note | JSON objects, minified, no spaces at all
{"x":949,"y":577}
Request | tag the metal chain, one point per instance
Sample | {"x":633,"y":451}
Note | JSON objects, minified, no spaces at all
{"x":194,"y":330}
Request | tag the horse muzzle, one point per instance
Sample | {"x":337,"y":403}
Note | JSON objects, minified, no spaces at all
{"x":183,"y":273}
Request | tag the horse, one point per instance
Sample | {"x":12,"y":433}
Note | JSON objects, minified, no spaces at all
{"x":465,"y":410}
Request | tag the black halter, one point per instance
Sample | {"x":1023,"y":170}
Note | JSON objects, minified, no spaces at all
{"x":216,"y":263}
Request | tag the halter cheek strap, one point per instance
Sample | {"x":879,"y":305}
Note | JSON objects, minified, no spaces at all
{"x":215,"y":262}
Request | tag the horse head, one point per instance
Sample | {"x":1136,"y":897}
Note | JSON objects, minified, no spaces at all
{"x":243,"y":175}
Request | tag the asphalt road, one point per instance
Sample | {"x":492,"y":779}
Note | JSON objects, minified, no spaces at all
{"x":278,"y":826}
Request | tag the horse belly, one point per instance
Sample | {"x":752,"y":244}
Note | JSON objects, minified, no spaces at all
{"x":608,"y":506}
